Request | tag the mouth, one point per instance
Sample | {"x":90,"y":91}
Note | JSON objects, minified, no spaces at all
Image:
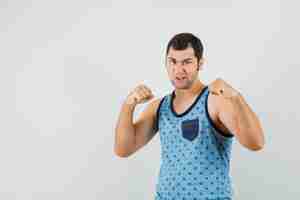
{"x":180,"y":78}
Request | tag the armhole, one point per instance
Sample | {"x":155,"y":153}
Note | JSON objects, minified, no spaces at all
{"x":157,"y":114}
{"x":219,"y":131}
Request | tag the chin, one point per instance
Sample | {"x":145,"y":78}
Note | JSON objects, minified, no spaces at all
{"x":181,"y":87}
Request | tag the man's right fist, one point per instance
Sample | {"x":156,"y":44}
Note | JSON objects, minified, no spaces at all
{"x":140,"y":94}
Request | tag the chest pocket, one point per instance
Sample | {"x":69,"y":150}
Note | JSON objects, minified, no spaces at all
{"x":190,"y":129}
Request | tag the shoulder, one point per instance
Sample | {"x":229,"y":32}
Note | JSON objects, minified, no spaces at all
{"x":214,"y":103}
{"x":153,"y":108}
{"x":155,"y":104}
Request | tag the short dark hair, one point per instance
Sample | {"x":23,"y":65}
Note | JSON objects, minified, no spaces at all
{"x":182,"y":41}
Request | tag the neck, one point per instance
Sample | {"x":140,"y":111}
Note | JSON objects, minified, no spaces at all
{"x":190,"y":92}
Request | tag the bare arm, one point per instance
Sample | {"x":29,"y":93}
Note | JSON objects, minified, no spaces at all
{"x":131,"y":136}
{"x":125,"y":131}
{"x":236,"y":115}
{"x":242,"y":121}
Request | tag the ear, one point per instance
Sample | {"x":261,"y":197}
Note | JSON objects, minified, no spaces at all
{"x":200,"y":64}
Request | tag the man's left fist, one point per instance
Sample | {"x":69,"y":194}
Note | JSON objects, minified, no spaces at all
{"x":220,"y":87}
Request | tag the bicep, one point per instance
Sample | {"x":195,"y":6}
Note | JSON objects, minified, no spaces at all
{"x":226,"y":115}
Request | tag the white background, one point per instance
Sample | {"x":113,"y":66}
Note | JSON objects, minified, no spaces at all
{"x":66,"y":67}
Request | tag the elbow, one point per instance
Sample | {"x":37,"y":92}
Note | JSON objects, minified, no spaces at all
{"x":261,"y":143}
{"x":257,"y":146}
{"x":121,"y":153}
{"x":257,"y":142}
{"x":119,"y":150}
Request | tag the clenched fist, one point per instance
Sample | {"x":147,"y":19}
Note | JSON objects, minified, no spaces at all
{"x":140,"y":94}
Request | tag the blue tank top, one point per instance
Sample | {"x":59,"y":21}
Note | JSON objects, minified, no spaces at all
{"x":195,"y":154}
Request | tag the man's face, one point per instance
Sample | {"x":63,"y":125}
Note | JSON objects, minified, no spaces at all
{"x":182,"y":67}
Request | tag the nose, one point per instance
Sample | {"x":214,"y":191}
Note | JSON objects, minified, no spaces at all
{"x":178,"y":68}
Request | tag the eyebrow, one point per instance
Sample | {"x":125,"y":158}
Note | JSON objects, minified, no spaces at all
{"x":182,"y":60}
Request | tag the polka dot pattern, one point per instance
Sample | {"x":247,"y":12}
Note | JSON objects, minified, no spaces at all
{"x":195,"y":157}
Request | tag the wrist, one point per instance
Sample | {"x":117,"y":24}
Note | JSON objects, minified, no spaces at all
{"x":130,"y":102}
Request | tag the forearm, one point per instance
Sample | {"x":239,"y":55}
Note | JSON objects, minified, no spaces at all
{"x":248,"y":124}
{"x":124,"y":130}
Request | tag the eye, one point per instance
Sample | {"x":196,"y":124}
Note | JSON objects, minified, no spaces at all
{"x":173,"y":61}
{"x":186,"y":62}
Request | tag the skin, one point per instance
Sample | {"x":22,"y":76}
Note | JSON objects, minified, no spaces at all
{"x":184,"y":64}
{"x":226,"y":107}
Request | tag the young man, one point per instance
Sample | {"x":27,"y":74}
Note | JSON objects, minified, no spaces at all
{"x":197,"y":124}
